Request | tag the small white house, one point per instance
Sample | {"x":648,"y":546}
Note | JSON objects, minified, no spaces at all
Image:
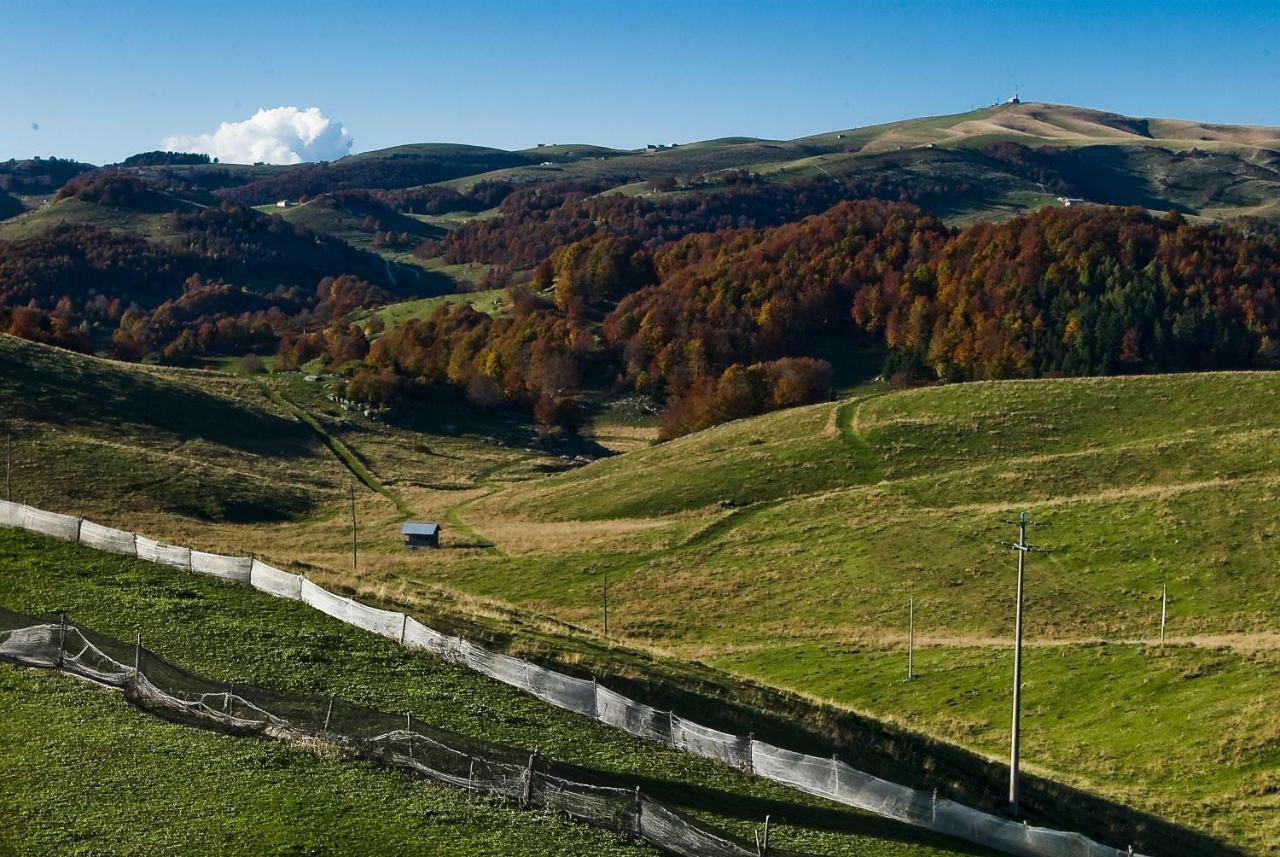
{"x":283,"y":203}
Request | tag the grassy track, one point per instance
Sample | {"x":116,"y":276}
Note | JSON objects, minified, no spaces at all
{"x":340,"y":451}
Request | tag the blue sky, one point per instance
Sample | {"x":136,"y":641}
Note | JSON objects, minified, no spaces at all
{"x":104,"y":80}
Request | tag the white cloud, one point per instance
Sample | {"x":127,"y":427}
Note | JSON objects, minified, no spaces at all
{"x":279,"y":135}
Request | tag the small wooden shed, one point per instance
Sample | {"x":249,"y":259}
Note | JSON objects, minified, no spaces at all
{"x":421,"y":534}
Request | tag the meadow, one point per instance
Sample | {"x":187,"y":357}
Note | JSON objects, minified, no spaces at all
{"x":766,"y":565}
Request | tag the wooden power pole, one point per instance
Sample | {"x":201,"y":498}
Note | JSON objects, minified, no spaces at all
{"x":911,"y":638}
{"x":1164,"y":608}
{"x":604,"y":594}
{"x":1022,"y":547}
{"x":353,"y":529}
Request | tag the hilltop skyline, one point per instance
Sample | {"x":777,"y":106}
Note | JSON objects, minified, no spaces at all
{"x":499,"y":74}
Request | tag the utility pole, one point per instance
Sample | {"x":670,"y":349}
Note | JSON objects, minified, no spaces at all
{"x":605,"y":600}
{"x":353,"y":528}
{"x":8,"y":466}
{"x":1022,"y":547}
{"x":911,"y":638}
{"x":1164,"y":608}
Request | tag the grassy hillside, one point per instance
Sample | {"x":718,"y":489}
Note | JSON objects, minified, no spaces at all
{"x":144,"y":786}
{"x":791,"y":544}
{"x":346,"y":220}
{"x":234,"y":633}
{"x":1062,"y":124}
{"x":492,"y":301}
{"x":908,"y":489}
{"x":784,"y":548}
{"x":114,"y":441}
{"x":149,"y":224}
{"x":1213,"y":170}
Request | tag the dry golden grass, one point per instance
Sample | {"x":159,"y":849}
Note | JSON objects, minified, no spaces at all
{"x":1067,"y":125}
{"x":621,"y":438}
{"x":529,"y":537}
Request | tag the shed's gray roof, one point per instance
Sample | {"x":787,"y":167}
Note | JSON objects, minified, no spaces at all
{"x":420,"y":528}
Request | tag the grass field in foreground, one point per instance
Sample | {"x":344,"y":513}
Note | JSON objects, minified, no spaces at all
{"x":231,"y":632}
{"x":85,"y":773}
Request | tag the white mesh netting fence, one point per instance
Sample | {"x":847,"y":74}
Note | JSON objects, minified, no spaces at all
{"x":329,"y":724}
{"x":236,"y":568}
{"x":154,"y":551}
{"x":825,"y":777}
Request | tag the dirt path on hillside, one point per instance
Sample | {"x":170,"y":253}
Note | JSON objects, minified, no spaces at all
{"x":1262,"y":641}
{"x":340,"y":450}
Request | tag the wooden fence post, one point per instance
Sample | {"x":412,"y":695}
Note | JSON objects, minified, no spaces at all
{"x":62,"y":639}
{"x":638,"y":805}
{"x":528,"y":779}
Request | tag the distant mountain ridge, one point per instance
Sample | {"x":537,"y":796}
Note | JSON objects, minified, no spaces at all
{"x":1197,"y":168}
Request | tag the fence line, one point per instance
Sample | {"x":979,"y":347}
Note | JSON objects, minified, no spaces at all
{"x":824,"y":777}
{"x":355,"y":732}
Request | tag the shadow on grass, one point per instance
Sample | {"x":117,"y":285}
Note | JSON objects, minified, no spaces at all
{"x":890,"y":752}
{"x":687,"y":798}
{"x":49,"y":386}
{"x":916,"y":760}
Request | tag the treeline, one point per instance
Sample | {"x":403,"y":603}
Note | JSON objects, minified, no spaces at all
{"x":111,"y":189}
{"x":752,"y":296}
{"x":9,"y":205}
{"x":223,"y":319}
{"x":537,"y":220}
{"x":39,"y":175}
{"x":244,"y":245}
{"x":229,"y":279}
{"x":370,"y":173}
{"x":687,"y":300}
{"x":161,"y":158}
{"x":430,"y":199}
{"x":727,"y":324}
{"x":1079,"y":291}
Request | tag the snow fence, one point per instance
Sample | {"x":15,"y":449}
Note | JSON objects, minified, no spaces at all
{"x":825,"y":777}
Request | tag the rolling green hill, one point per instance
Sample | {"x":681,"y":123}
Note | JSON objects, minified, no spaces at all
{"x":346,"y":220}
{"x":151,"y":224}
{"x":127,"y":441}
{"x":785,"y":548}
